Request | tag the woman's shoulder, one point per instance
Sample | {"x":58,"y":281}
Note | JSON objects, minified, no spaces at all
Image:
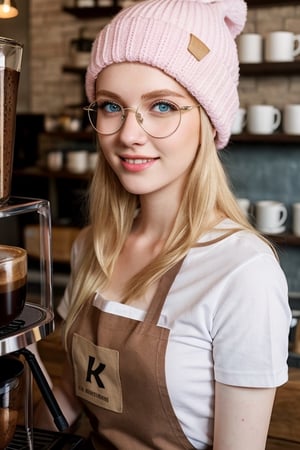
{"x":231,"y":249}
{"x":233,"y":237}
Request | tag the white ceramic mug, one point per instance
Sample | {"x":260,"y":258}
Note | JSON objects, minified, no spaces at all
{"x":75,"y":124}
{"x":250,"y":48}
{"x":281,"y":46}
{"x":51,"y":123}
{"x":296,"y":219}
{"x":77,"y":161}
{"x":291,"y":119}
{"x":105,"y":3}
{"x":55,"y":160}
{"x":270,"y":216}
{"x":263,"y":119}
{"x":244,"y":204}
{"x":239,"y":121}
{"x":85,"y":3}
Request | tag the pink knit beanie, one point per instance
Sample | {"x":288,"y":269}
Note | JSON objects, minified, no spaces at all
{"x":190,"y":40}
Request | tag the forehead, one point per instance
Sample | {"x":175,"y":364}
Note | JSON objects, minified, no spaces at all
{"x":136,"y":79}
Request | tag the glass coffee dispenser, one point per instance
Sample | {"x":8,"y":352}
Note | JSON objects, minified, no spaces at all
{"x":26,"y":305}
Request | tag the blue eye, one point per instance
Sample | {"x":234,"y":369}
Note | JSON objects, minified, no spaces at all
{"x":163,"y":107}
{"x":109,"y":107}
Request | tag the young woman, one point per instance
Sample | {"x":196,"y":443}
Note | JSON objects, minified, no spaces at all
{"x":177,"y":315}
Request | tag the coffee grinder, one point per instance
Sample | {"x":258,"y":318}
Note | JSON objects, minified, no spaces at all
{"x":35,"y":319}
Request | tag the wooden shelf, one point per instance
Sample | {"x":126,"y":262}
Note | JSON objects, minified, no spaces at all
{"x":71,"y":135}
{"x":269,"y":3}
{"x":92,"y":12}
{"x":275,"y":138}
{"x":284,"y":239}
{"x":255,"y":69}
{"x":76,"y":70}
{"x":45,"y":173}
{"x":270,"y":69}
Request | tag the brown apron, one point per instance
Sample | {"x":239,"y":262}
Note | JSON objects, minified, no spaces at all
{"x":120,"y":377}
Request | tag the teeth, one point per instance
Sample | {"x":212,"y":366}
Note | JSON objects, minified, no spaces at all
{"x":137,"y":161}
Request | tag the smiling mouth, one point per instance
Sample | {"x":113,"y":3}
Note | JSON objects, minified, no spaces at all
{"x":138,"y":160}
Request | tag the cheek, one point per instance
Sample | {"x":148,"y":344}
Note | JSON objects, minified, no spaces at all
{"x":191,"y":136}
{"x":106,"y":154}
{"x":196,"y":128}
{"x":192,"y":125}
{"x":194,"y":136}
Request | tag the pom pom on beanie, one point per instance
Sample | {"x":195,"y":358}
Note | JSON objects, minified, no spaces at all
{"x":193,"y":41}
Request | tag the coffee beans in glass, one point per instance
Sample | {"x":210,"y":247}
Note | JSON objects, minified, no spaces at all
{"x":10,"y":66}
{"x":13,"y":282}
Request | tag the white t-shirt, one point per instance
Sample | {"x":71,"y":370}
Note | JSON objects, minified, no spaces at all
{"x":229,"y":320}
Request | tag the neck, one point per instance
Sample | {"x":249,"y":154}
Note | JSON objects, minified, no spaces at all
{"x":155,"y":219}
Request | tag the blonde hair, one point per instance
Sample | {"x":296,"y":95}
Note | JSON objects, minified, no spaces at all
{"x":112,"y":212}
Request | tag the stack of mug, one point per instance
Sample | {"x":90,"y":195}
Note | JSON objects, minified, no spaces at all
{"x":266,"y":119}
{"x":270,"y":216}
{"x":277,"y":46}
{"x":75,"y":161}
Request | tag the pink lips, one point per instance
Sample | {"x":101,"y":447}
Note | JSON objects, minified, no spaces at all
{"x":137,"y":164}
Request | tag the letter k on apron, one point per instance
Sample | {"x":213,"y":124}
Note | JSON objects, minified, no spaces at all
{"x":119,"y":371}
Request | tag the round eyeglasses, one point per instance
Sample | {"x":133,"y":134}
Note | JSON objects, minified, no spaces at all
{"x":159,"y":119}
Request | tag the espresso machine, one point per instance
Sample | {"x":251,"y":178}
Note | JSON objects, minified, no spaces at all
{"x":23,"y":320}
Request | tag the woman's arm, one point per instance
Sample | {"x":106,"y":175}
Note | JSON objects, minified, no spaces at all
{"x":242,"y":417}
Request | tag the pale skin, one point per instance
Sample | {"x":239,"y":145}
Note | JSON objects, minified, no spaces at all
{"x":242,"y":415}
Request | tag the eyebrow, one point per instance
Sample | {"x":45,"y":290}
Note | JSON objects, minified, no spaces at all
{"x":162,"y":93}
{"x":149,"y":95}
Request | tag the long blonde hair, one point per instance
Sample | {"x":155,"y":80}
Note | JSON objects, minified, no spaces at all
{"x":112,"y":212}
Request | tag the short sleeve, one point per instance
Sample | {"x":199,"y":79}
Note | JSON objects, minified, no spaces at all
{"x":251,"y":326}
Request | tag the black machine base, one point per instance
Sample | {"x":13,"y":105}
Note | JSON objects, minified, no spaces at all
{"x":47,"y":440}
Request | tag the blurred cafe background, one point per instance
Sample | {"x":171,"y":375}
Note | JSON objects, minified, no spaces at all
{"x":55,"y":151}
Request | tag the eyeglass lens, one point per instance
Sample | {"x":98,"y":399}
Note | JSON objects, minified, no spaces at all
{"x":158,"y":119}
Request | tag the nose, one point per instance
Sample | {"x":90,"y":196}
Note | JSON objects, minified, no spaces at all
{"x":131,"y":131}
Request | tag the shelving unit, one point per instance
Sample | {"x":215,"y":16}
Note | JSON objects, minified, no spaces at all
{"x":44,"y":173}
{"x":270,"y":69}
{"x":76,"y":70}
{"x":256,"y":70}
{"x":90,"y":12}
{"x":285,"y":239}
{"x":71,"y":135}
{"x":94,"y":11}
{"x":273,"y":69}
{"x":269,"y":3}
{"x":276,"y":139}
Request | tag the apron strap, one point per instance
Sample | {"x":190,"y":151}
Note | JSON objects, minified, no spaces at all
{"x":164,"y":285}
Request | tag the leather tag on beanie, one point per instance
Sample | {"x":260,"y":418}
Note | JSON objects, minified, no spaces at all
{"x":197,"y":48}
